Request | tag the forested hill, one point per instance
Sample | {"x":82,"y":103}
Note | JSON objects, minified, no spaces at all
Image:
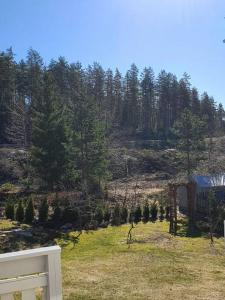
{"x":139,"y":103}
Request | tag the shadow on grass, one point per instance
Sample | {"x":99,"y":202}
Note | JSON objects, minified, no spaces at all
{"x":186,"y":228}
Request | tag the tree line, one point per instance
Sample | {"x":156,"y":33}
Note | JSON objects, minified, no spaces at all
{"x":63,"y":113}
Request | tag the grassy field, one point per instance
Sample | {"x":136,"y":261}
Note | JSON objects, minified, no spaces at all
{"x":157,"y":266}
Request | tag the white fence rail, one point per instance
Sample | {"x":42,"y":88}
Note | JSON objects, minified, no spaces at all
{"x":31,"y":272}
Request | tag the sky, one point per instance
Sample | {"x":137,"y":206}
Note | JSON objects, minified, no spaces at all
{"x":176,"y":35}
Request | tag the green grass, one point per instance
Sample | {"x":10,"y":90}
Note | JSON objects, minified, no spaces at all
{"x":156,"y":266}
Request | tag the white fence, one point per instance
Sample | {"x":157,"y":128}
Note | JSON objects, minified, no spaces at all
{"x":31,"y":272}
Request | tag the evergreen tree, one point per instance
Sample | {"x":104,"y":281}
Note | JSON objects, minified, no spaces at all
{"x":107,"y":214}
{"x":167,"y":213}
{"x":124,"y":214}
{"x":29,"y":212}
{"x":137,"y":214}
{"x":161,"y":212}
{"x":154,"y":211}
{"x":43,"y":211}
{"x":99,"y":215}
{"x":20,"y":212}
{"x":190,"y":138}
{"x":148,"y":103}
{"x":9,"y":211}
{"x":195,"y":102}
{"x":116,"y":216}
{"x":56,"y":217}
{"x":49,"y":155}
{"x":7,"y":91}
{"x":131,"y":109}
{"x":118,"y":99}
{"x":89,"y":142}
{"x":146,"y":212}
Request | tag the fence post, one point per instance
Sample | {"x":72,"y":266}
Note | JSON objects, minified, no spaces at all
{"x":54,"y":276}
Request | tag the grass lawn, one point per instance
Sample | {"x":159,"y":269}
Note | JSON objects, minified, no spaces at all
{"x":157,"y":265}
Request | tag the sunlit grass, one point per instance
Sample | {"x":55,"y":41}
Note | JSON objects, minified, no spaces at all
{"x":7,"y":224}
{"x":157,"y":265}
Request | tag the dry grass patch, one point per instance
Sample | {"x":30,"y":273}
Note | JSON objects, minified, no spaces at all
{"x":157,"y":266}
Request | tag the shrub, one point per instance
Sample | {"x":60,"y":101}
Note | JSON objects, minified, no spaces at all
{"x":137,"y":214}
{"x":124,"y":214}
{"x":99,"y":215}
{"x":154,"y":211}
{"x":161,"y":212}
{"x":20,"y":212}
{"x":131,"y":216}
{"x":116,"y":217}
{"x":146,"y":212}
{"x":71,"y":215}
{"x":56,"y":217}
{"x":107,"y":214}
{"x":6,"y":187}
{"x":167,"y":212}
{"x":9,"y":211}
{"x":43,"y":211}
{"x":29,"y":212}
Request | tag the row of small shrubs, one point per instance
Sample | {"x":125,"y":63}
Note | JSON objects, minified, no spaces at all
{"x":24,"y":211}
{"x":147,"y":213}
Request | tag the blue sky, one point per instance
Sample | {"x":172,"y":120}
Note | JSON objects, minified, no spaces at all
{"x":176,"y":35}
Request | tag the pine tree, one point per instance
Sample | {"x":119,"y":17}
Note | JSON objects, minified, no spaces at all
{"x":124,"y":214}
{"x":107,"y":214}
{"x":118,"y":99}
{"x":99,"y":215}
{"x":43,"y":211}
{"x":116,"y":216}
{"x":137,"y":214}
{"x":146,"y":212}
{"x":20,"y":212}
{"x":29,"y":212}
{"x":10,"y":211}
{"x":161,"y":212}
{"x":56,"y":217}
{"x":7,"y":91}
{"x":89,"y":141}
{"x":167,"y":213}
{"x":154,"y":211}
{"x":148,"y":103}
{"x":49,"y":154}
{"x":131,"y":109}
{"x":189,"y":138}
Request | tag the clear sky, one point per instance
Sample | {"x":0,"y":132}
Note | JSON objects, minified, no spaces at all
{"x":176,"y":35}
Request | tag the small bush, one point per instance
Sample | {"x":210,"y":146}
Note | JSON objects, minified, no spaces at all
{"x":131,"y":216}
{"x":116,"y":217}
{"x":43,"y":211}
{"x":107,"y":214}
{"x":161,"y":212}
{"x":71,"y":215}
{"x":137,"y":214}
{"x":56,"y":217}
{"x":146,"y":213}
{"x":6,"y":187}
{"x":20,"y":212}
{"x":154,"y":211}
{"x":29,"y":212}
{"x":167,"y":212}
{"x":124,"y":214}
{"x":9,"y":211}
{"x":99,"y":215}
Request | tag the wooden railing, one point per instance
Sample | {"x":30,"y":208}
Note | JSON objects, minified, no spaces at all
{"x":31,"y":272}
